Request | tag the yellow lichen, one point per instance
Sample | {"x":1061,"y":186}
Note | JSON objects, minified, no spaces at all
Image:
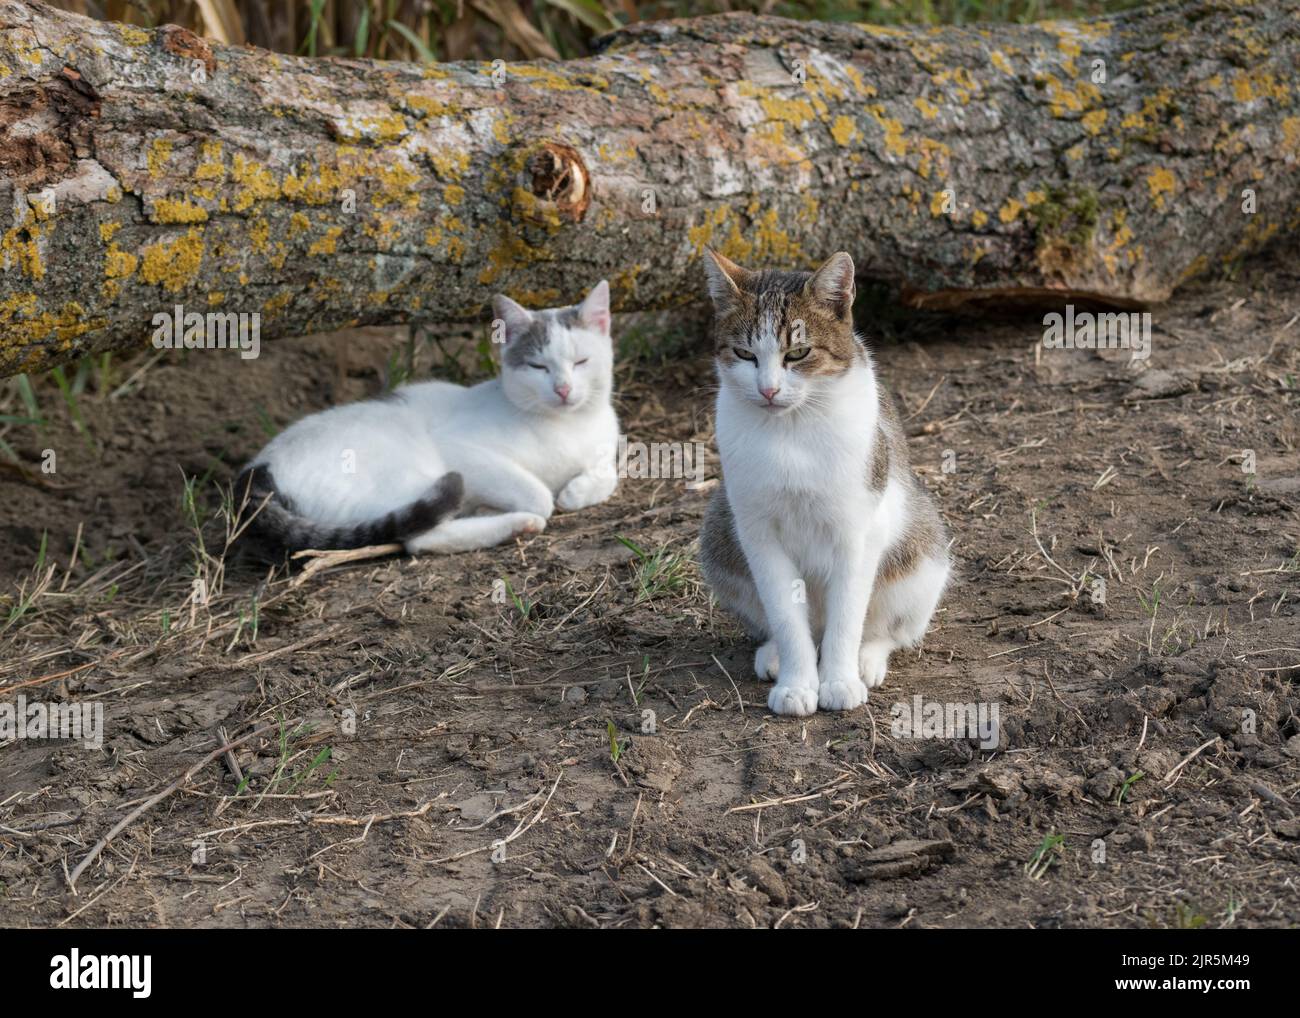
{"x":22,"y":305}
{"x":791,"y":111}
{"x":1291,"y":135}
{"x":431,"y":107}
{"x":1259,"y":84}
{"x":173,"y":265}
{"x":160,"y":150}
{"x":771,"y":241}
{"x":529,"y":207}
{"x":964,"y":83}
{"x":397,"y":184}
{"x":932,"y":152}
{"x":895,"y":144}
{"x":1161,"y":182}
{"x":259,"y":233}
{"x":1010,"y":211}
{"x":859,"y":83}
{"x":66,"y":326}
{"x":256,"y":181}
{"x":382,"y":127}
{"x":171,"y":210}
{"x":326,"y":244}
{"x":545,"y":78}
{"x":928,"y":109}
{"x":843,"y":130}
{"x":702,"y":235}
{"x":512,"y":251}
{"x":272,"y":306}
{"x":119,"y":264}
{"x":21,"y":246}
{"x":449,"y":164}
{"x":211,"y":167}
{"x":1065,"y":100}
{"x":1153,"y":108}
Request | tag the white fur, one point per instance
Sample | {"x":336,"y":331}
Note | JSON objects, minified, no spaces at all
{"x":813,"y":531}
{"x":521,"y":449}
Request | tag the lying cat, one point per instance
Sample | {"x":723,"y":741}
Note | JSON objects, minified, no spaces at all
{"x":442,"y":468}
{"x":820,"y":534}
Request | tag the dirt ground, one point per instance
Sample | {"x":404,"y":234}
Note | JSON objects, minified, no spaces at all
{"x":448,"y":750}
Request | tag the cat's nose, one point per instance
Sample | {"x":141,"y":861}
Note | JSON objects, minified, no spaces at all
{"x":563,"y":392}
{"x":769,"y":393}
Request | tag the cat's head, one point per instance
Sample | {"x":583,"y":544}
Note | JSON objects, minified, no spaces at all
{"x":782,"y":337}
{"x":559,"y":359}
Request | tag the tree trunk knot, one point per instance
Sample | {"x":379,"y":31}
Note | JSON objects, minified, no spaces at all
{"x":183,"y":43}
{"x":560,"y":178}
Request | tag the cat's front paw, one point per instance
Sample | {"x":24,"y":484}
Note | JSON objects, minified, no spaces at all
{"x":586,"y":490}
{"x":873,"y":662}
{"x":840,"y":691}
{"x":767,"y":662}
{"x":790,"y":699}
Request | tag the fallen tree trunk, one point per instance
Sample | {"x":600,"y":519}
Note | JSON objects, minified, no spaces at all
{"x":1103,"y":160}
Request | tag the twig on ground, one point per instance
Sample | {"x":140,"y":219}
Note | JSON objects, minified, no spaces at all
{"x":136,"y":813}
{"x":1189,"y":758}
{"x":322,"y":560}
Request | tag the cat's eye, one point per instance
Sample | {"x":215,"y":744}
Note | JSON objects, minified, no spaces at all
{"x":539,"y":367}
{"x":797,"y":354}
{"x":744,"y":355}
{"x":584,"y":360}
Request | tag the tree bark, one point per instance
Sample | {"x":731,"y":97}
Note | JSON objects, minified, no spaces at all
{"x":1102,"y":160}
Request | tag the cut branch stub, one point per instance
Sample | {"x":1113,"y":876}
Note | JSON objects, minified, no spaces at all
{"x":559,"y":179}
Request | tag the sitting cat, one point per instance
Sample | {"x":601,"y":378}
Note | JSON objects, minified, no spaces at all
{"x":442,"y":468}
{"x":820,"y":534}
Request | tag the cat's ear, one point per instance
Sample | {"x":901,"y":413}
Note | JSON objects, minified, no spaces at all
{"x":832,"y":284}
{"x":593,"y":312}
{"x":517,"y":319}
{"x":726,"y":278}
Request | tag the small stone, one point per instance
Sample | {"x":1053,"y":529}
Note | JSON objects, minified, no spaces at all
{"x":1288,"y":828}
{"x":1102,"y":786}
{"x":767,"y":880}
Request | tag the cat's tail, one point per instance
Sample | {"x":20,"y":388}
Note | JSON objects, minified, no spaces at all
{"x":272,"y":523}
